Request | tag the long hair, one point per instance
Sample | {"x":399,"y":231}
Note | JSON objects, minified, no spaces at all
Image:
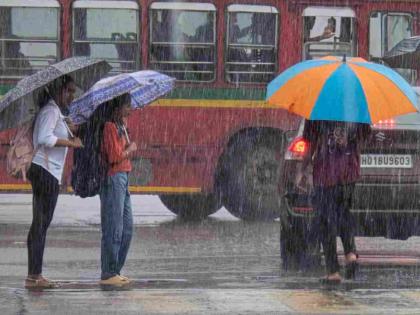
{"x":51,"y":90}
{"x":116,"y":106}
{"x":108,"y":111}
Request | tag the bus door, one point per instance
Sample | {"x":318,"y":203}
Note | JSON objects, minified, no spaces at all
{"x":328,"y":31}
{"x":107,"y":30}
{"x":29,"y":37}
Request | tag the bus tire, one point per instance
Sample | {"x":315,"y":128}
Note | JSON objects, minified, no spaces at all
{"x":251,"y":176}
{"x":191,"y":206}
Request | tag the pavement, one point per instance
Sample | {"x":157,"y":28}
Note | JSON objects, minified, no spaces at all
{"x":218,"y":266}
{"x":75,"y":211}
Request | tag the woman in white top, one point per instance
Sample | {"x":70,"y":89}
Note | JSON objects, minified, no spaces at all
{"x":51,"y":140}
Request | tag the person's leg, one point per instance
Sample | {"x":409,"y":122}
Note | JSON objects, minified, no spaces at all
{"x":327,"y":218}
{"x":127,"y":229}
{"x":103,"y":196}
{"x":112,"y":207}
{"x":346,"y":219}
{"x":45,"y":194}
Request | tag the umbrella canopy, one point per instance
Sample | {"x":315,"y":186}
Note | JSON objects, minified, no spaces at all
{"x":406,"y":54}
{"x":144,"y":87}
{"x":351,"y":90}
{"x":19,"y":106}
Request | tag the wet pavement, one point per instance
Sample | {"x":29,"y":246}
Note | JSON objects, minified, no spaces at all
{"x":218,"y":266}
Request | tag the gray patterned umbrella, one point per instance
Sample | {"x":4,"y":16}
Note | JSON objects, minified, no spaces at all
{"x":406,"y":54}
{"x":18,"y":105}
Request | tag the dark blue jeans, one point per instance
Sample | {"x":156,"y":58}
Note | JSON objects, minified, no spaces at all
{"x":117,"y":224}
{"x":332,"y":205}
{"x":45,"y":189}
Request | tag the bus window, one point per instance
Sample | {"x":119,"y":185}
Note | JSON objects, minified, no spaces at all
{"x":29,"y":36}
{"x":386,"y":29}
{"x":328,"y":31}
{"x":251,"y":43}
{"x":183,"y":40}
{"x":107,"y":30}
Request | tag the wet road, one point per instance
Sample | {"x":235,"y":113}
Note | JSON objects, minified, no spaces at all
{"x":218,"y":266}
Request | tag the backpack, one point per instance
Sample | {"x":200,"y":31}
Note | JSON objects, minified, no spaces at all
{"x":21,"y":152}
{"x":89,"y":169}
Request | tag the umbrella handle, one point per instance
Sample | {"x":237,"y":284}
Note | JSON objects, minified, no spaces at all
{"x":68,"y":129}
{"x":126,"y":134}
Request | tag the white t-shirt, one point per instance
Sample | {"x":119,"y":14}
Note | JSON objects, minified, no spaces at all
{"x":49,"y":127}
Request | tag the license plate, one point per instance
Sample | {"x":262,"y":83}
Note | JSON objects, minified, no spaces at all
{"x":386,"y":160}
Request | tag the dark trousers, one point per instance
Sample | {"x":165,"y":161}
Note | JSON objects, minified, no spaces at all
{"x":45,"y":189}
{"x":332,"y":205}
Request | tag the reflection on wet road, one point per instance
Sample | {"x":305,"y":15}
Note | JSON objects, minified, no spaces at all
{"x":218,"y":266}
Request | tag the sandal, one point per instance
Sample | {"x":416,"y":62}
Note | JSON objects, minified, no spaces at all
{"x":115,"y":281}
{"x":124,"y":278}
{"x":39,"y":283}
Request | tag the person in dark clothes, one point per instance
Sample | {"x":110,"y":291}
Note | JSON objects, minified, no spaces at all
{"x":335,"y":157}
{"x":51,"y":138}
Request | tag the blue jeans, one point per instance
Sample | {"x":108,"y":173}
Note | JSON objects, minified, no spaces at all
{"x":117,"y":224}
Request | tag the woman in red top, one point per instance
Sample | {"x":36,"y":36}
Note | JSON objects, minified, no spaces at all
{"x":116,"y":215}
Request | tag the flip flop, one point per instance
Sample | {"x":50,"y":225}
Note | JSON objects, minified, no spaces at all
{"x":125,"y":278}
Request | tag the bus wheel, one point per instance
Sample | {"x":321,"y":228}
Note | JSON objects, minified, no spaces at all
{"x":250,"y":180}
{"x":191,"y":206}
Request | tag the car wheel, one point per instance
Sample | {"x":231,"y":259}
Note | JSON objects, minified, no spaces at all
{"x":191,"y":206}
{"x":250,"y":183}
{"x":299,"y":248}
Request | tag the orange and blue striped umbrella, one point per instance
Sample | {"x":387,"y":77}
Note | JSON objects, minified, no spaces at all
{"x":351,"y":90}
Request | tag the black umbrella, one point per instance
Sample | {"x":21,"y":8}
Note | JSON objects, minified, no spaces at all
{"x":406,"y":54}
{"x":19,"y":104}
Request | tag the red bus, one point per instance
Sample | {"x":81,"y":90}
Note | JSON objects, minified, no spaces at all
{"x":213,"y":141}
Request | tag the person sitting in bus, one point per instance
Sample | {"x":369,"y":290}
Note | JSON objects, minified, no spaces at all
{"x":15,"y":62}
{"x":160,"y":34}
{"x":176,"y":35}
{"x":161,"y":26}
{"x":329,"y":30}
{"x":204,"y":33}
{"x":176,"y":31}
{"x":345,"y":30}
{"x":259,"y":33}
{"x":126,"y":52}
{"x":235,"y":32}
